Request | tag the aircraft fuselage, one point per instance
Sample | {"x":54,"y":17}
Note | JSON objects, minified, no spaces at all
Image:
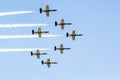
{"x":48,"y":10}
{"x":75,"y":35}
{"x":64,"y":23}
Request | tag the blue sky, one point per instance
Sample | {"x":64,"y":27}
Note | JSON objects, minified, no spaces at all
{"x":95,"y":56}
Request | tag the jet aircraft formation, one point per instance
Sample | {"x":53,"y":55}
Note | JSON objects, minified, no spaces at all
{"x":62,"y":24}
{"x":39,"y":32}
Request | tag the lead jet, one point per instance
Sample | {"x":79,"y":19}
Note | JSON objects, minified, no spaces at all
{"x":47,"y":10}
{"x":48,"y":62}
{"x":62,"y":24}
{"x":73,"y":35}
{"x":38,"y":54}
{"x":61,"y":48}
{"x":39,"y":32}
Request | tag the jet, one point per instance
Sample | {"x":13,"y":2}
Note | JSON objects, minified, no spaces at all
{"x":47,"y":10}
{"x":62,"y":24}
{"x":39,"y":32}
{"x":48,"y":62}
{"x":73,"y":35}
{"x":61,"y":48}
{"x":37,"y":53}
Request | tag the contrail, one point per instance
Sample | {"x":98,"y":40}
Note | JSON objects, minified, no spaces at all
{"x":14,"y":13}
{"x":25,"y":36}
{"x":20,"y":25}
{"x":21,"y":49}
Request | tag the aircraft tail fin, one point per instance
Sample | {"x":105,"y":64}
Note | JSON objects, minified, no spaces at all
{"x":32,"y":31}
{"x":67,"y":34}
{"x":55,"y":48}
{"x":55,"y":23}
{"x":40,"y":10}
{"x":31,"y":53}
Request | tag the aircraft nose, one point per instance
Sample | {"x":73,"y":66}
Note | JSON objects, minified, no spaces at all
{"x":69,"y":48}
{"x":55,"y":10}
{"x":81,"y":34}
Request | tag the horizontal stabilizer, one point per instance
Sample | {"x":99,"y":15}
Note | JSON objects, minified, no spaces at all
{"x":40,"y":10}
{"x":55,"y":48}
{"x":42,"y":62}
{"x":31,"y":53}
{"x":55,"y":23}
{"x":32,"y":31}
{"x":67,"y":34}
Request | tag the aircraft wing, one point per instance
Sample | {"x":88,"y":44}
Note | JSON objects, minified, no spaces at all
{"x":62,"y":20}
{"x":39,"y":29}
{"x":37,"y":51}
{"x":47,"y":10}
{"x":61,"y":51}
{"x":62,"y":26}
{"x":61,"y":45}
{"x":38,"y":56}
{"x":39,"y":35}
{"x":48,"y":63}
{"x":39,"y":32}
{"x":47,"y":7}
{"x":73,"y":32}
{"x":73,"y":37}
{"x":47,"y":13}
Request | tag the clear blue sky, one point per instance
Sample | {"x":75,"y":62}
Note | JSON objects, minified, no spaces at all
{"x":95,"y":56}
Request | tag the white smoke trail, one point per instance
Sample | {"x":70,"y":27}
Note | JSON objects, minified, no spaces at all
{"x":20,"y":25}
{"x":21,"y":49}
{"x":14,"y":13}
{"x":25,"y":36}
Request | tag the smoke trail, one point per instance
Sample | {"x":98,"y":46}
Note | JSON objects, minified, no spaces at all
{"x":20,"y":25}
{"x":14,"y":13}
{"x":21,"y":49}
{"x":25,"y":36}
